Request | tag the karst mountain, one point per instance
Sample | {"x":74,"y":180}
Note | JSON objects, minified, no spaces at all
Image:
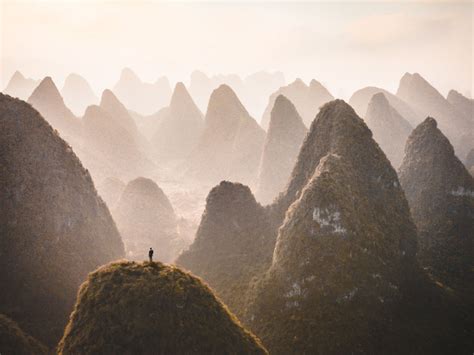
{"x":389,"y":128}
{"x":54,"y":227}
{"x":19,"y":86}
{"x":307,"y":100}
{"x":179,"y":130}
{"x":282,"y":145}
{"x":231,"y":143}
{"x":78,"y":94}
{"x":440,"y":192}
{"x":146,"y":218}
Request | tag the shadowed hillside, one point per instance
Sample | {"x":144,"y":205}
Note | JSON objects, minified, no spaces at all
{"x":54,"y":227}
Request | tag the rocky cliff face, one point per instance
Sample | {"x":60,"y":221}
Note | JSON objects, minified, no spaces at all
{"x":145,"y":219}
{"x":361,"y":98}
{"x":282,"y":144}
{"x":344,"y":249}
{"x":50,"y":104}
{"x":307,"y":100}
{"x":130,"y":308}
{"x":54,"y":227}
{"x":78,"y":94}
{"x":233,"y":243}
{"x":180,"y":129}
{"x":231,"y":143}
{"x":20,"y":87}
{"x":458,"y":127}
{"x":440,"y":192}
{"x":389,"y":128}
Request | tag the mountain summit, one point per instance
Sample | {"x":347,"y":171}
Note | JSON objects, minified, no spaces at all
{"x":440,"y":192}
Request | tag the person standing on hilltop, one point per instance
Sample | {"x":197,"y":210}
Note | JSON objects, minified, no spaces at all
{"x":150,"y":255}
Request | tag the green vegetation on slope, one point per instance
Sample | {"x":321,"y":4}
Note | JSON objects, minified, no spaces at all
{"x":152,"y":308}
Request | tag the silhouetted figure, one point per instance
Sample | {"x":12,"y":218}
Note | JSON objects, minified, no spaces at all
{"x":150,"y":254}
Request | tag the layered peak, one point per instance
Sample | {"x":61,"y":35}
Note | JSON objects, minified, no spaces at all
{"x":17,"y":76}
{"x":77,"y":93}
{"x":128,"y":75}
{"x":19,"y":86}
{"x":110,"y":103}
{"x":180,"y":127}
{"x":46,"y":91}
{"x":307,"y":100}
{"x":176,"y":312}
{"x":225,"y":106}
{"x":146,"y":218}
{"x":147,"y":188}
{"x":181,"y":101}
{"x":389,"y":128}
{"x":282,"y":143}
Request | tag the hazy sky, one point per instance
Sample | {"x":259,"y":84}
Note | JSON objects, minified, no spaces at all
{"x":344,"y":45}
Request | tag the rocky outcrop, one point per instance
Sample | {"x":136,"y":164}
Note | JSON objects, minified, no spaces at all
{"x":130,"y":308}
{"x":389,"y":128}
{"x":307,"y":100}
{"x":142,"y":97}
{"x":179,"y":130}
{"x":54,"y":228}
{"x":145,"y":219}
{"x":78,"y":94}
{"x":20,"y":87}
{"x":361,"y":98}
{"x":231,"y":143}
{"x":440,"y":192}
{"x":233,"y":243}
{"x":282,"y":144}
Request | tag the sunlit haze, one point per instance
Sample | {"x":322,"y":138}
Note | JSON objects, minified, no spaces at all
{"x":344,"y":45}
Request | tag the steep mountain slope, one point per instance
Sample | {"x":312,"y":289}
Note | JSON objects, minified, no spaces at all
{"x":282,"y":144}
{"x":145,"y":218}
{"x":48,"y":101}
{"x":231,"y":143}
{"x":307,"y":100}
{"x":54,"y":227}
{"x":78,"y":94}
{"x":130,"y":308}
{"x":180,"y":129}
{"x":389,"y":128}
{"x":233,"y":243}
{"x":440,"y":192}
